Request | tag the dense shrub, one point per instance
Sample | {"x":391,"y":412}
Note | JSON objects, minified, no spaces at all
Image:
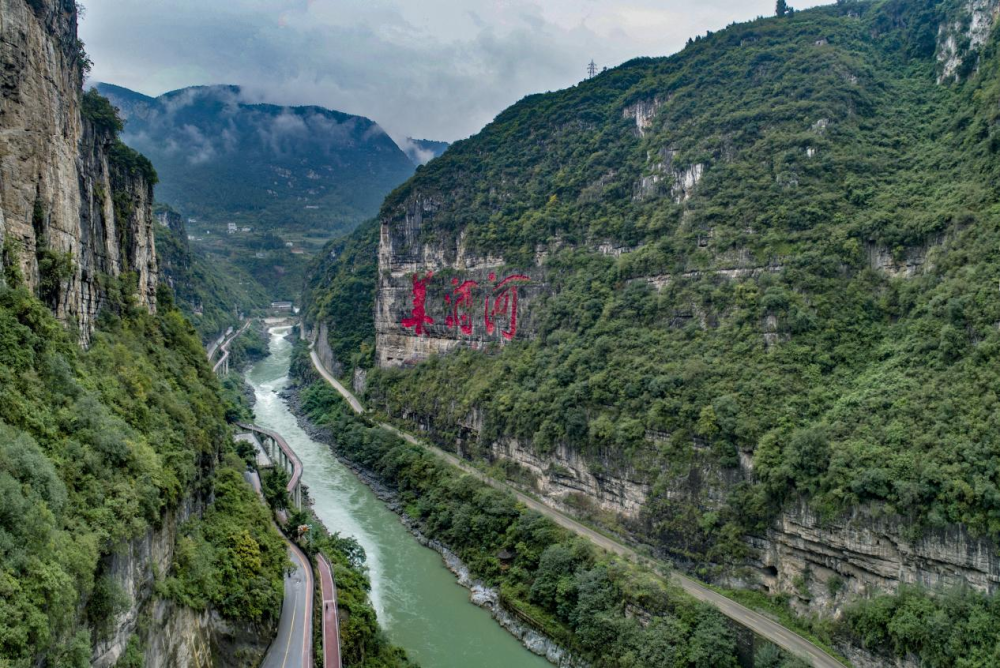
{"x":95,"y":446}
{"x":580,"y":596}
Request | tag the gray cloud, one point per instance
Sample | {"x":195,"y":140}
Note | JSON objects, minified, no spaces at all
{"x":433,"y":68}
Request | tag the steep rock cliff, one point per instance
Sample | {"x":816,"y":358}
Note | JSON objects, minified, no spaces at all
{"x":434,"y":297}
{"x":73,"y":215}
{"x":742,"y":266}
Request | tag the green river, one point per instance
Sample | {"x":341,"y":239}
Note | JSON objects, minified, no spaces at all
{"x":419,"y":602}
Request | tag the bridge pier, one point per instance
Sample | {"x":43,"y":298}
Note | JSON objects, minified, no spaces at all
{"x":281,"y":455}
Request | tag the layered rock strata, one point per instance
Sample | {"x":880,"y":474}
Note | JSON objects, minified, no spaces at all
{"x":62,"y":195}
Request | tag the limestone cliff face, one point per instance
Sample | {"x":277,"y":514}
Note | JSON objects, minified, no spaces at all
{"x":321,"y":341}
{"x":434,"y":297}
{"x":821,"y":563}
{"x":61,"y":193}
{"x":134,"y":568}
{"x":826,"y":563}
{"x":961,"y":37}
{"x":171,"y":635}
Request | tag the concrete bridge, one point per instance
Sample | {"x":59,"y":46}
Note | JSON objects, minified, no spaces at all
{"x":222,"y":366}
{"x":278,"y":454}
{"x":297,"y":607}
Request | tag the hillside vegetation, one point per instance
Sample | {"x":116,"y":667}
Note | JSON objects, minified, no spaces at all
{"x":802,"y":277}
{"x":221,"y":156}
{"x":566,"y":588}
{"x":871,"y":387}
{"x":211,"y":291}
{"x":96,"y":447}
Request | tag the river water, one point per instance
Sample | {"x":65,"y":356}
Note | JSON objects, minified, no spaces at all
{"x":418,"y":601}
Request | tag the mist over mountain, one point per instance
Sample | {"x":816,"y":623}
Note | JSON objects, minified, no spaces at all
{"x":222,"y":156}
{"x":422,"y":151}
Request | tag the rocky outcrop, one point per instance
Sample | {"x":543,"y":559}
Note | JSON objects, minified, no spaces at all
{"x":961,"y":38}
{"x":133,"y":570}
{"x":321,"y":344}
{"x":664,"y":170}
{"x":183,"y":637}
{"x":62,"y":196}
{"x":170,"y":634}
{"x":434,"y":297}
{"x":908,"y":263}
{"x":824,"y":564}
{"x":186,"y":637}
{"x":643,"y":113}
{"x":566,"y":480}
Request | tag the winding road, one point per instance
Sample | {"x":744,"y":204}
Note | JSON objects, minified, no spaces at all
{"x":763,"y":626}
{"x":292,"y":646}
{"x":225,"y":347}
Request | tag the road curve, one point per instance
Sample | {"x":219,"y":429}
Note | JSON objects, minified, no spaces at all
{"x":293,"y":481}
{"x":763,"y":626}
{"x":331,"y":618}
{"x":328,"y":377}
{"x":292,"y":647}
{"x":225,"y":347}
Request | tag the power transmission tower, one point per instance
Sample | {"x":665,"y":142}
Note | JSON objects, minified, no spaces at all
{"x":591,"y":70}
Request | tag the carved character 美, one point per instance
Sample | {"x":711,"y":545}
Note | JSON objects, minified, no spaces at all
{"x":419,"y":314}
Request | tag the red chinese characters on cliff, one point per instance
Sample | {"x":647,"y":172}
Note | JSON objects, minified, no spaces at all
{"x":419,"y":316}
{"x":462,"y":304}
{"x":499,"y":306}
{"x":502,"y":305}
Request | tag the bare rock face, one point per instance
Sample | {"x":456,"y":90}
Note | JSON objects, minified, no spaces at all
{"x":643,"y":113}
{"x":321,"y":343}
{"x":826,"y":563}
{"x":177,"y":635}
{"x":58,"y":189}
{"x":960,"y":39}
{"x":565,"y":480}
{"x":133,"y":569}
{"x":435,"y":297}
{"x":912,"y":263}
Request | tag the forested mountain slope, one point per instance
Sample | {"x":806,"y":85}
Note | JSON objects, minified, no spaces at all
{"x":741,"y":302}
{"x":112,"y":429}
{"x":222,"y":157}
{"x":211,"y":291}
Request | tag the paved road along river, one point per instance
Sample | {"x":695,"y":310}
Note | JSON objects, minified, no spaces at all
{"x":418,"y":601}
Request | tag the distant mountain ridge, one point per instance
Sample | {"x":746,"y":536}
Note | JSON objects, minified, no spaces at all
{"x":222,"y":156}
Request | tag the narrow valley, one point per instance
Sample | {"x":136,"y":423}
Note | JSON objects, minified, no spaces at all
{"x":418,"y":600}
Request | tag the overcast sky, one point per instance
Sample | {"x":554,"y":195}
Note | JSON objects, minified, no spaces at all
{"x":425,"y":68}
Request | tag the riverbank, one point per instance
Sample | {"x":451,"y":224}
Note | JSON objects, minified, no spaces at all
{"x":480,"y":594}
{"x":416,"y":599}
{"x":602,"y":605}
